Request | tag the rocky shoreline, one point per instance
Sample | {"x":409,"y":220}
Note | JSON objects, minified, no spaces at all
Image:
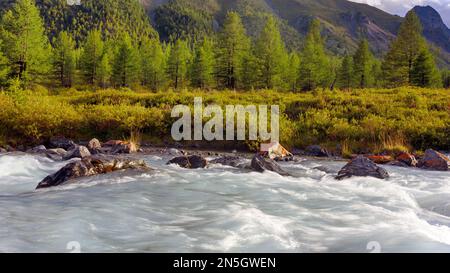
{"x":96,"y":158}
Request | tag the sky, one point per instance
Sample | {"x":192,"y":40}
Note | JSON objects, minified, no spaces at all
{"x":400,"y":7}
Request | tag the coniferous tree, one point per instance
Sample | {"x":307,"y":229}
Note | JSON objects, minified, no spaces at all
{"x":64,"y":59}
{"x":363,"y":61}
{"x":314,"y":68}
{"x":424,"y":72}
{"x":178,"y":63}
{"x":24,"y":42}
{"x":4,"y":66}
{"x":399,"y":61}
{"x":446,"y":78}
{"x":271,"y":55}
{"x":233,"y":47}
{"x":104,"y":70}
{"x":153,"y":64}
{"x":346,"y":75}
{"x":203,"y":65}
{"x":249,"y":73}
{"x":91,"y":56}
{"x":126,"y":67}
{"x":292,"y":75}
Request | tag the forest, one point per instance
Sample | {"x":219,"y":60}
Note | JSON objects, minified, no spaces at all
{"x":358,"y":98}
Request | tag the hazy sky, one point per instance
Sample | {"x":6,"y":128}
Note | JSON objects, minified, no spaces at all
{"x":400,"y":7}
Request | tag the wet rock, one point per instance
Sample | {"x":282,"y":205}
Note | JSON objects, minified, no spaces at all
{"x":316,"y":150}
{"x":261,"y":164}
{"x":398,"y":163}
{"x":90,"y":166}
{"x":124,"y":148}
{"x":380,"y":159}
{"x":37,"y":150}
{"x":362,"y":166}
{"x":112,"y":143}
{"x":3,"y":151}
{"x":233,"y":161}
{"x":77,"y":152}
{"x":61,"y":142}
{"x":276,"y":152}
{"x":56,"y":154}
{"x":175,"y":152}
{"x":94,"y":146}
{"x":433,"y":160}
{"x":408,"y":159}
{"x":189,"y":162}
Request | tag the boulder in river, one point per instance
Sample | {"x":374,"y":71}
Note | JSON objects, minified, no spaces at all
{"x":362,"y":166}
{"x":189,"y":162}
{"x":433,"y":160}
{"x":408,"y":159}
{"x":37,"y":150}
{"x":3,"y":151}
{"x":233,"y":161}
{"x":77,"y":152}
{"x":380,"y":159}
{"x":261,"y":164}
{"x":61,"y":142}
{"x":94,"y":146}
{"x":90,"y":166}
{"x":316,"y":150}
{"x":276,"y":152}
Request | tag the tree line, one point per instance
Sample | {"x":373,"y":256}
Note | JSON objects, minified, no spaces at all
{"x":229,"y":59}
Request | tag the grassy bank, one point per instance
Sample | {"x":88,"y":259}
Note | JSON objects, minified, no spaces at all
{"x":369,"y":120}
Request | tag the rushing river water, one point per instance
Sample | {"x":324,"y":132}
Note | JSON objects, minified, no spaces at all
{"x":221,"y":209}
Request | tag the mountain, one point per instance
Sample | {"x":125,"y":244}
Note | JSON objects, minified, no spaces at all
{"x":435,"y":29}
{"x":111,"y":16}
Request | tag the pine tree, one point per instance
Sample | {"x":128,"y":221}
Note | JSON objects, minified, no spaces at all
{"x":203,"y":65}
{"x":64,"y":58}
{"x":398,"y":63}
{"x":153,"y":64}
{"x":178,"y":63}
{"x":91,"y":56}
{"x":314,"y":68}
{"x":446,"y":78}
{"x":363,"y":65}
{"x":126,"y":68}
{"x":271,"y":55}
{"x":4,"y":66}
{"x":292,"y":75}
{"x":424,"y":72}
{"x":345,"y":74}
{"x":232,"y":49}
{"x":249,"y":72}
{"x":104,"y":70}
{"x":24,"y":42}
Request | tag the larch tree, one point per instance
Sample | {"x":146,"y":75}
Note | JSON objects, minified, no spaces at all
{"x":91,"y":56}
{"x":178,"y":63}
{"x":398,"y":63}
{"x":4,"y":67}
{"x":271,"y":54}
{"x":204,"y":64}
{"x":24,"y":41}
{"x":292,"y":71}
{"x":424,"y":72}
{"x":345,"y":74}
{"x":126,"y":67}
{"x":314,"y":68}
{"x":153,"y":64}
{"x":363,"y":62}
{"x":64,"y":63}
{"x":232,"y":49}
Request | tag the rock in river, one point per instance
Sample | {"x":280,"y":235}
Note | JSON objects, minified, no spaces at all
{"x":189,"y":162}
{"x":233,"y":161}
{"x":362,"y":166}
{"x":61,"y":142}
{"x":94,"y":146}
{"x":90,"y":166}
{"x":77,"y":152}
{"x":433,"y":160}
{"x":261,"y":164}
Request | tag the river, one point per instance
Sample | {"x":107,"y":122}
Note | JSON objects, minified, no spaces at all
{"x":221,"y":209}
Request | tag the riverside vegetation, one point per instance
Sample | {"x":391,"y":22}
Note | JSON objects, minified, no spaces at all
{"x":111,"y":82}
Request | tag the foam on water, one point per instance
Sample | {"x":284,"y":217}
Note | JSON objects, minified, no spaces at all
{"x":223,"y":209}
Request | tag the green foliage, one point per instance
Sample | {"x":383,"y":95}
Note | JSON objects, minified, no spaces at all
{"x":4,"y":66}
{"x":203,"y":67}
{"x":399,"y":61}
{"x":271,"y":55}
{"x":91,"y":57}
{"x":291,"y":73}
{"x":363,"y":62}
{"x":233,"y":47}
{"x":64,"y":61}
{"x":24,"y":42}
{"x":424,"y":72}
{"x":345,"y":74}
{"x":126,"y":66}
{"x":178,"y":64}
{"x":153,"y":64}
{"x":314,"y":68}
